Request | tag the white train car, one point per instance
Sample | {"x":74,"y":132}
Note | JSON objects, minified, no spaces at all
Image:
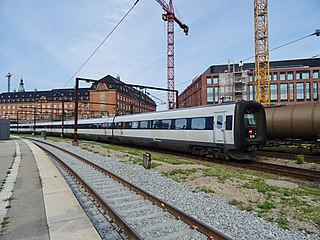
{"x":231,"y":130}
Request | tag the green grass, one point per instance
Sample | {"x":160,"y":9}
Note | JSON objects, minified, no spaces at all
{"x":266,"y":206}
{"x":154,"y":156}
{"x":259,"y":185}
{"x":282,"y":222}
{"x":180,"y":174}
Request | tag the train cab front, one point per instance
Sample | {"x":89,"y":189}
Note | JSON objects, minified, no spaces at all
{"x":250,"y":130}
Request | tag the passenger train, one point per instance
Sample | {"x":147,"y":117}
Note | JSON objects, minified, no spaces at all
{"x":231,"y":130}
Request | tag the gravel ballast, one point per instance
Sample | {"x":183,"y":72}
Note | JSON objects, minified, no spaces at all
{"x":204,"y":206}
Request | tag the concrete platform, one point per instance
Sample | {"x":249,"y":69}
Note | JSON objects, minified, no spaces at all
{"x":7,"y":151}
{"x":43,"y":206}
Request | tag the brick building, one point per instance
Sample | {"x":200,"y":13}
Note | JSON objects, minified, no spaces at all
{"x":107,"y":97}
{"x":291,"y":82}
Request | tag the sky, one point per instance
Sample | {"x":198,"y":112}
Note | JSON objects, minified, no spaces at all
{"x":46,"y":42}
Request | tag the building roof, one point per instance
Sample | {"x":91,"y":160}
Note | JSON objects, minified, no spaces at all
{"x":296,"y":63}
{"x":114,"y":83}
{"x":67,"y":94}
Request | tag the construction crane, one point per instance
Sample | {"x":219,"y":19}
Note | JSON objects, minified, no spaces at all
{"x":262,"y":64}
{"x":170,"y":17}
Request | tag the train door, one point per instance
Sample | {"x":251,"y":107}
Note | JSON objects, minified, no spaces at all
{"x":219,"y":127}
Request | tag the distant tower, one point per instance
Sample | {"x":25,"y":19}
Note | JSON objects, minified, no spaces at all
{"x":21,"y":86}
{"x":8,"y":76}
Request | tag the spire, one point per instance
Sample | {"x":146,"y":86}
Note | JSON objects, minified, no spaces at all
{"x":21,"y":86}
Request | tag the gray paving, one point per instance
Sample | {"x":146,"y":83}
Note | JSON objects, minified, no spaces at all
{"x":27,"y":218}
{"x":7,"y":150}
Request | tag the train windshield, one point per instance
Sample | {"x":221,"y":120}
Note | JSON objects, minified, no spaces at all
{"x":249,"y":117}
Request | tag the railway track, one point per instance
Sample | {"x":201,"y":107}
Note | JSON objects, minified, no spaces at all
{"x":300,"y":173}
{"x":137,"y":213}
{"x":312,"y":158}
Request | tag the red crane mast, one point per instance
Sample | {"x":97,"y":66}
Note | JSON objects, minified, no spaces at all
{"x":170,"y":17}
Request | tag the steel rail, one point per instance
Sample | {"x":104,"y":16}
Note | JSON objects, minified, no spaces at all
{"x":194,"y":223}
{"x":308,"y":157}
{"x":302,"y":173}
{"x":123,"y":225}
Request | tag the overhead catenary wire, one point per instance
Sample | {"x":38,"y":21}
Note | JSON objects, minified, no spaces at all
{"x":286,"y":44}
{"x":102,"y":43}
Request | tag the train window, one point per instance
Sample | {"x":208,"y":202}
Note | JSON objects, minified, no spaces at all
{"x":229,"y":122}
{"x":166,"y":124}
{"x":249,"y":117}
{"x":198,"y":123}
{"x":110,"y":125}
{"x":209,"y":123}
{"x":135,"y":125}
{"x":127,"y":125}
{"x":156,"y":124}
{"x":219,"y":121}
{"x":181,"y":123}
{"x":144,"y":124}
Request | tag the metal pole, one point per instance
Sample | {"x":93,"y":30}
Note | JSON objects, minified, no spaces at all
{"x":76,"y":103}
{"x":177,"y":102}
{"x":34,"y":121}
{"x":62,"y":120}
{"x":17,"y":121}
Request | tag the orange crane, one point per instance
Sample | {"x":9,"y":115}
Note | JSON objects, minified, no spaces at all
{"x":170,"y":17}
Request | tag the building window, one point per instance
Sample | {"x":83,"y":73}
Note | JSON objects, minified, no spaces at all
{"x":209,"y":95}
{"x":290,"y":75}
{"x":315,"y":74}
{"x":102,"y":96}
{"x":282,"y":76}
{"x":216,"y":94}
{"x":250,"y":78}
{"x":315,"y":91}
{"x":273,"y":92}
{"x":300,"y":92}
{"x":209,"y":80}
{"x":298,"y":75}
{"x":275,"y":76}
{"x":283,"y":92}
{"x":305,"y":75}
{"x":308,"y":91}
{"x":251,"y":93}
{"x":291,"y":91}
{"x":215,"y":80}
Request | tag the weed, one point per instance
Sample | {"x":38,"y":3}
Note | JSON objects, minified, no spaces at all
{"x":221,"y":174}
{"x":181,"y":172}
{"x":266,"y":206}
{"x":4,"y":222}
{"x":236,"y":202}
{"x":205,"y":189}
{"x":282,"y":222}
{"x":300,"y":159}
{"x":317,"y":221}
{"x":312,"y":191}
{"x":260,"y":185}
